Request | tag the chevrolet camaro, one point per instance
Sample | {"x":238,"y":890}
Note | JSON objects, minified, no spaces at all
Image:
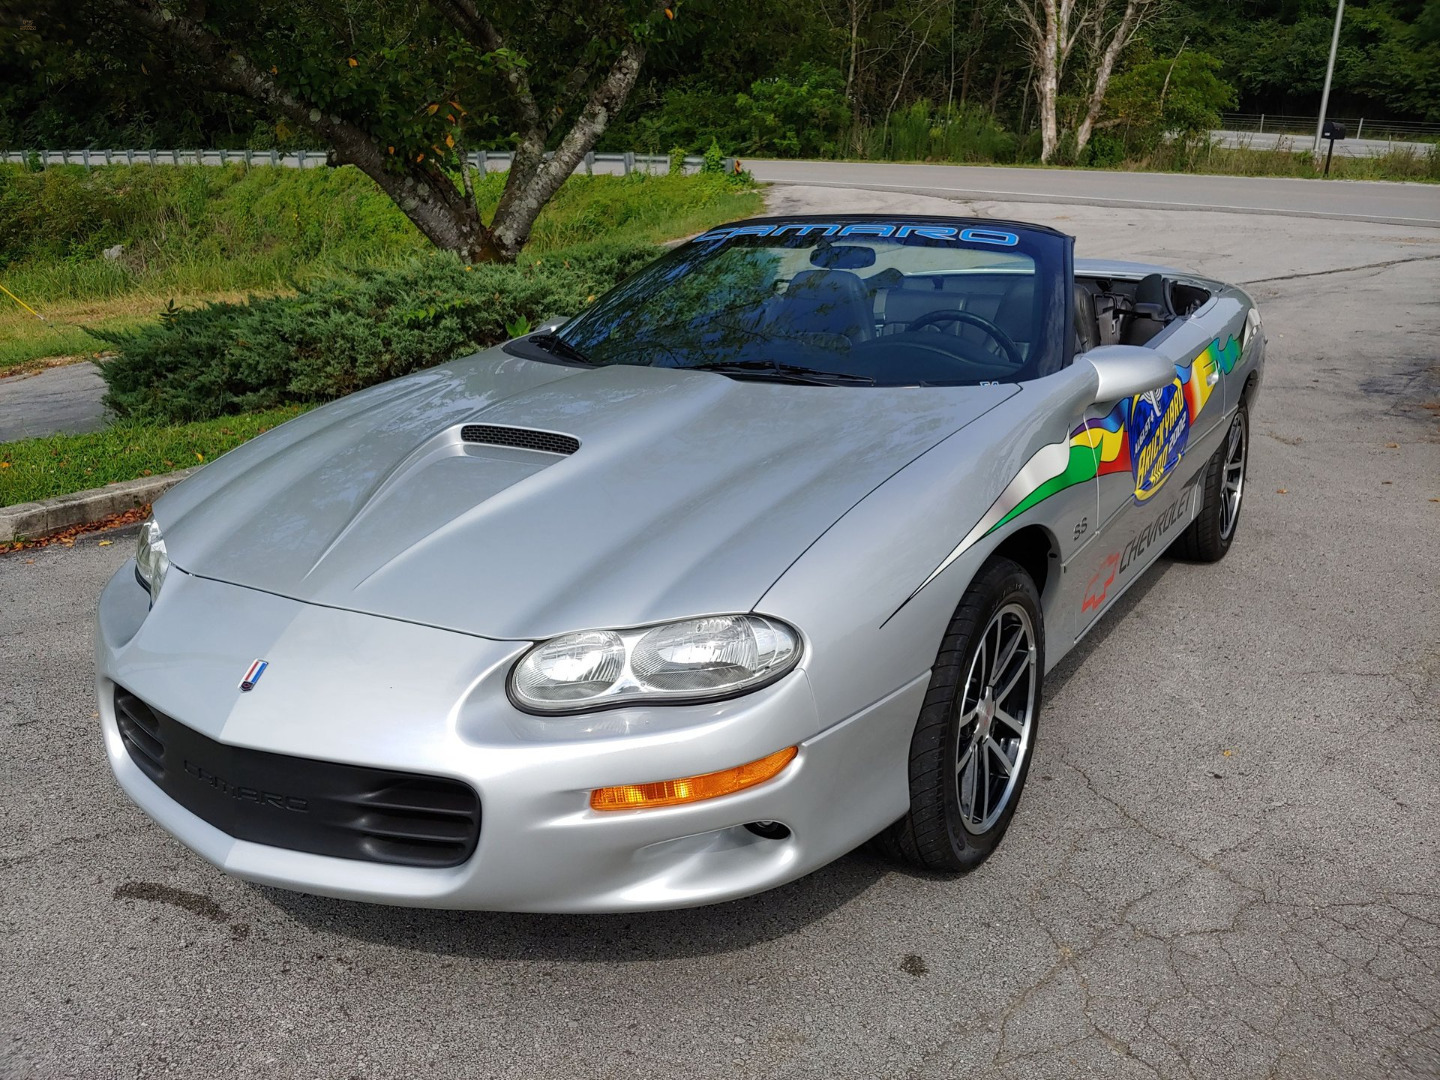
{"x":763,"y":555}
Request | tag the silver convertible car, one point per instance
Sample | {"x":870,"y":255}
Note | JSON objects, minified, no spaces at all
{"x":762,"y":556}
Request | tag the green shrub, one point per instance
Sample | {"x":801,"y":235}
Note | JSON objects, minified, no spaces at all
{"x":925,"y":132}
{"x":714,"y":160}
{"x":340,"y":334}
{"x":800,"y":116}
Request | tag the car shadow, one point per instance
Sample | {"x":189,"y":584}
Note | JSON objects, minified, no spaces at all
{"x":636,"y":936}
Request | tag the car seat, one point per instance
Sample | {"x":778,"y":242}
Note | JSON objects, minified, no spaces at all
{"x":833,"y":302}
{"x":1152,"y":310}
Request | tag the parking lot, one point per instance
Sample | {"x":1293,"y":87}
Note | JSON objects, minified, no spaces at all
{"x":1226,"y":864}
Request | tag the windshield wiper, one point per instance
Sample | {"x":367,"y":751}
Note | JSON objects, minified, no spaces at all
{"x":555,"y":345}
{"x":792,"y":373}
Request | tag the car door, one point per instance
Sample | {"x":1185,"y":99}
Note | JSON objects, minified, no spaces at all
{"x":1151,"y":450}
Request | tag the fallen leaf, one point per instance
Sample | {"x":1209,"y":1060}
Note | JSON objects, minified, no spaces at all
{"x":1226,"y":753}
{"x":4,"y":464}
{"x":1392,"y":446}
{"x":354,"y":62}
{"x":1282,"y":491}
{"x":199,"y":456}
{"x":105,"y":543}
{"x":432,"y":109}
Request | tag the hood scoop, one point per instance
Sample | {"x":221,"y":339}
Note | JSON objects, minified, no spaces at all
{"x":546,"y":442}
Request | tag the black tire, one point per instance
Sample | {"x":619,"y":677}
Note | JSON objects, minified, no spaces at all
{"x":1208,"y":537}
{"x":939,"y":833}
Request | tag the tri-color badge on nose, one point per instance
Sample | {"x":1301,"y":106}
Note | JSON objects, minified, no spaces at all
{"x":253,"y":675}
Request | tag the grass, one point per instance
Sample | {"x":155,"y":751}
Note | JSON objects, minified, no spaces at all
{"x":201,"y":230}
{"x":27,"y":343}
{"x":59,"y":464}
{"x":195,"y":233}
{"x":1418,"y":162}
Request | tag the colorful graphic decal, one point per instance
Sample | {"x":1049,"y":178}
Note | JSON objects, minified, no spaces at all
{"x":1145,"y":435}
{"x":1159,"y":430}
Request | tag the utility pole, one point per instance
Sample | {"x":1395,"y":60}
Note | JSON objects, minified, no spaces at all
{"x":1329,"y":73}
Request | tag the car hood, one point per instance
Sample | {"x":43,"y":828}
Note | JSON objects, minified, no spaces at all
{"x":690,"y":493}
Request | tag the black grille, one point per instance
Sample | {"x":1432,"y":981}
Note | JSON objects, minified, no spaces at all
{"x":521,"y":438}
{"x":322,"y":807}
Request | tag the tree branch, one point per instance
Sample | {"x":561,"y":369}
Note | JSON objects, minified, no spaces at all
{"x":517,"y":210}
{"x":424,"y":193}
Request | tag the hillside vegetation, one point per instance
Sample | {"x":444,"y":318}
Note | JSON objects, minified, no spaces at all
{"x":191,"y":233}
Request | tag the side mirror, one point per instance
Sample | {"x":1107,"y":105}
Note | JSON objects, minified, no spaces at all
{"x":1128,"y":370}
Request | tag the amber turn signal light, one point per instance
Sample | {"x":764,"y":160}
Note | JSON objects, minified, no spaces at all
{"x":692,"y":788}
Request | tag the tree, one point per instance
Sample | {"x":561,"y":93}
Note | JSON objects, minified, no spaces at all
{"x":400,"y":89}
{"x":1051,"y":30}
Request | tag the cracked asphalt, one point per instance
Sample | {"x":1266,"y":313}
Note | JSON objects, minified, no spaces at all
{"x":1225,"y":865}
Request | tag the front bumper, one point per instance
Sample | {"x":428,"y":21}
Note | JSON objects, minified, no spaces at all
{"x":363,"y":690}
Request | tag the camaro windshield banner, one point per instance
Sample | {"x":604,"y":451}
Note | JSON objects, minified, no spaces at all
{"x":891,"y":230}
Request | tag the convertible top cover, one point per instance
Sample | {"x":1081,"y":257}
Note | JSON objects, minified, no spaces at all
{"x":868,"y":300}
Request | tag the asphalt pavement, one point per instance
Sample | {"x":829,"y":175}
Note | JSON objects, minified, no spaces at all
{"x":57,"y":399}
{"x":1225,"y":865}
{"x":1413,"y":205}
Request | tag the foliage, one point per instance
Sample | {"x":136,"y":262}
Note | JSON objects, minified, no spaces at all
{"x":60,"y":464}
{"x":340,"y":334}
{"x":1416,"y":162}
{"x":924,"y":132}
{"x":714,"y":160}
{"x":804,"y":115}
{"x":100,"y":84}
{"x":1180,"y":98}
{"x":261,"y":225}
{"x":198,"y":229}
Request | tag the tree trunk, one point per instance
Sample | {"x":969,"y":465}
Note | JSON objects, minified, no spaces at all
{"x":1047,"y":80}
{"x":1119,"y":38}
{"x":525,"y":196}
{"x":446,"y":215}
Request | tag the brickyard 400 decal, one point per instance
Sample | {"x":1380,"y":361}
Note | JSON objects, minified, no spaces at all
{"x":1145,"y":436}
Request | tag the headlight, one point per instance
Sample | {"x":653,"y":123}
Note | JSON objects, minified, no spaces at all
{"x":717,"y":656}
{"x":151,"y":559}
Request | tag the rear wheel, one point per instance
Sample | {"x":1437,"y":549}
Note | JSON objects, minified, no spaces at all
{"x":1208,"y":537}
{"x":972,"y":745}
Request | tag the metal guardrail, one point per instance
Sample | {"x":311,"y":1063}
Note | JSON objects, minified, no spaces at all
{"x":482,"y":160}
{"x":1357,"y":127}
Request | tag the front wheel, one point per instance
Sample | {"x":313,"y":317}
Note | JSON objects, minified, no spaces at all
{"x":1208,"y":537}
{"x":972,"y":745}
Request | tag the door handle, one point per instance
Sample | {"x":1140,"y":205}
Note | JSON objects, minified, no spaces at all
{"x":1212,"y":378}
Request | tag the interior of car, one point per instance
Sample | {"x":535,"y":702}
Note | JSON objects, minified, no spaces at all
{"x":991,"y":311}
{"x":870,"y":310}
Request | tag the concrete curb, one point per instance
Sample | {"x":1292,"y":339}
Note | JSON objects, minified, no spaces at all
{"x":82,"y":507}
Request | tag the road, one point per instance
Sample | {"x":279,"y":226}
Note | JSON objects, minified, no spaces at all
{"x":66,"y":398}
{"x":1225,"y":866}
{"x":1414,"y":205}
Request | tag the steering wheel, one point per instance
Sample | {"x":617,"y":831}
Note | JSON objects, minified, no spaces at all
{"x":1004,"y":340}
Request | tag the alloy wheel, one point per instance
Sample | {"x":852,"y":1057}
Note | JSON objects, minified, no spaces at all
{"x":997,"y":706}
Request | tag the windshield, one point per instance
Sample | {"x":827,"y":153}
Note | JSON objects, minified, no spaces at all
{"x":888,"y":303}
